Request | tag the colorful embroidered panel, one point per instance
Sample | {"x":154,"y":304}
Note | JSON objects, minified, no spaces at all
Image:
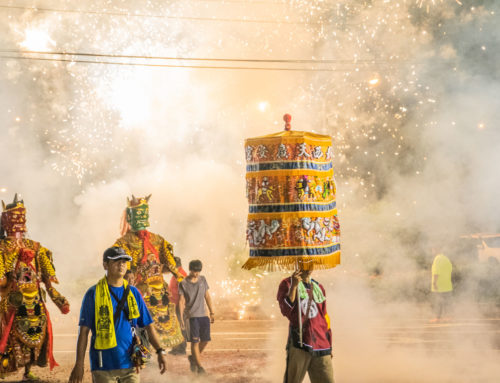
{"x":292,"y":218}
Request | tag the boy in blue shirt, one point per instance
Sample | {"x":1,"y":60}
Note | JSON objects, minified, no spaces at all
{"x":112,"y":338}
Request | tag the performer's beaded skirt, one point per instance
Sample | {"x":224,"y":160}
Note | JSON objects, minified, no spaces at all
{"x":23,"y":317}
{"x":146,"y":275}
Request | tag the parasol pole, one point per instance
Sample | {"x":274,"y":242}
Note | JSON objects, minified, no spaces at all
{"x":299,"y":307}
{"x":288,"y":118}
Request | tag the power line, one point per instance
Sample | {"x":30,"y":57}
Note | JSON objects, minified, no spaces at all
{"x":128,"y":14}
{"x":190,"y":18}
{"x":167,"y":58}
{"x":284,"y":2}
{"x":120,"y":63}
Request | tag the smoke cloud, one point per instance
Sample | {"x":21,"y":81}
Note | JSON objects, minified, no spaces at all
{"x":407,"y":89}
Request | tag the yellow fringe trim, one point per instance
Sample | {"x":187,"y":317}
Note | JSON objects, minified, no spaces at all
{"x":291,"y":263}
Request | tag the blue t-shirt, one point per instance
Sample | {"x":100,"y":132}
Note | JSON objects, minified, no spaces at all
{"x":117,"y":357}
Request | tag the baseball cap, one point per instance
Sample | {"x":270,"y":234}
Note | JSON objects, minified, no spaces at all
{"x":114,"y":253}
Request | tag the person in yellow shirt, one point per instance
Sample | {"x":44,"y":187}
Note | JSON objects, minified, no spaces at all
{"x":441,"y":284}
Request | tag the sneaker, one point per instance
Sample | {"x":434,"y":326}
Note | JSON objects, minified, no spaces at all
{"x":192,"y":363}
{"x":30,"y":377}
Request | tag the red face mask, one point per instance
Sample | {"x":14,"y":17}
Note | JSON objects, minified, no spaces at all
{"x":14,"y":221}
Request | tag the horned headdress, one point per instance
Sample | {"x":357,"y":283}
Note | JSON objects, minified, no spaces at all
{"x":13,"y":219}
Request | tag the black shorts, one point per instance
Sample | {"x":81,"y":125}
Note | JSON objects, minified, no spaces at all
{"x":199,"y":329}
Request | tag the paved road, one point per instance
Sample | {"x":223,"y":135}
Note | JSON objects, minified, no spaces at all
{"x":253,"y":351}
{"x":257,"y":335}
{"x":442,"y":335}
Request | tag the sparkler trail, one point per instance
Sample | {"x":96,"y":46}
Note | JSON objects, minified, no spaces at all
{"x":75,"y":145}
{"x":98,"y":123}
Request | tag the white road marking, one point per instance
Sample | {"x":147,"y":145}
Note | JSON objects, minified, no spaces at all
{"x":273,"y":349}
{"x":240,"y":332}
{"x":66,"y":335}
{"x":206,"y":350}
{"x":74,"y":335}
{"x":386,"y":330}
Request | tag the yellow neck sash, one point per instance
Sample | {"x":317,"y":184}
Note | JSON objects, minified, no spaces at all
{"x":104,"y":324}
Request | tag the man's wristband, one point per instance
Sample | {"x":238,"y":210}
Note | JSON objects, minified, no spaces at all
{"x":161,"y":351}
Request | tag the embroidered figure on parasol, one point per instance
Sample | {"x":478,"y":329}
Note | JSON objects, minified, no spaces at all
{"x":292,"y":218}
{"x":151,"y":256}
{"x":26,"y":332}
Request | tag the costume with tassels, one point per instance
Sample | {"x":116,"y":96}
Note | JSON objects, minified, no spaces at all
{"x":151,"y":256}
{"x":25,"y":329}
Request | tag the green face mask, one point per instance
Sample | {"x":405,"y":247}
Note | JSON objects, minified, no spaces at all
{"x":138,"y":217}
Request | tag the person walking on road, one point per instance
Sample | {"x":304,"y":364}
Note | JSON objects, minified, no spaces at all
{"x":441,"y":285}
{"x":314,"y":354}
{"x":111,"y":310}
{"x":193,"y":293}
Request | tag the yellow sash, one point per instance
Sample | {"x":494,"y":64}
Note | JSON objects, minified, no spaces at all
{"x":104,"y":324}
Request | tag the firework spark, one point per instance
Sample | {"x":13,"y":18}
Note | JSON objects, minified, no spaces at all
{"x":93,"y":113}
{"x":242,"y":295}
{"x":37,"y":39}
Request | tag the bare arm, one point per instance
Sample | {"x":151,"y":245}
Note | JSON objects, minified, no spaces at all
{"x":182,"y":306}
{"x":81,"y":346}
{"x":155,"y":342}
{"x":435,"y":280}
{"x":208,"y":299}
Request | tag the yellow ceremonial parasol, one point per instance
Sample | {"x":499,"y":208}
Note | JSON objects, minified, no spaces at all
{"x":292,"y":218}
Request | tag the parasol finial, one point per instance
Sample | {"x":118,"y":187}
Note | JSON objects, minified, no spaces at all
{"x":287,"y":118}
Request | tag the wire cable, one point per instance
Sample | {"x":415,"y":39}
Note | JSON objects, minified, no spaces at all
{"x":167,"y":58}
{"x":182,"y":66}
{"x":129,"y":14}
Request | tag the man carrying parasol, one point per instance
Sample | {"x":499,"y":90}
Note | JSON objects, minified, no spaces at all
{"x":293,"y":225}
{"x":312,"y":353}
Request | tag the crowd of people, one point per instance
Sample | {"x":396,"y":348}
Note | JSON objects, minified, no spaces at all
{"x":132,"y":312}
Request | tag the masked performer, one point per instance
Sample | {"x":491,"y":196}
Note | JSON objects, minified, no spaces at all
{"x":151,"y":256}
{"x":26,"y":332}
